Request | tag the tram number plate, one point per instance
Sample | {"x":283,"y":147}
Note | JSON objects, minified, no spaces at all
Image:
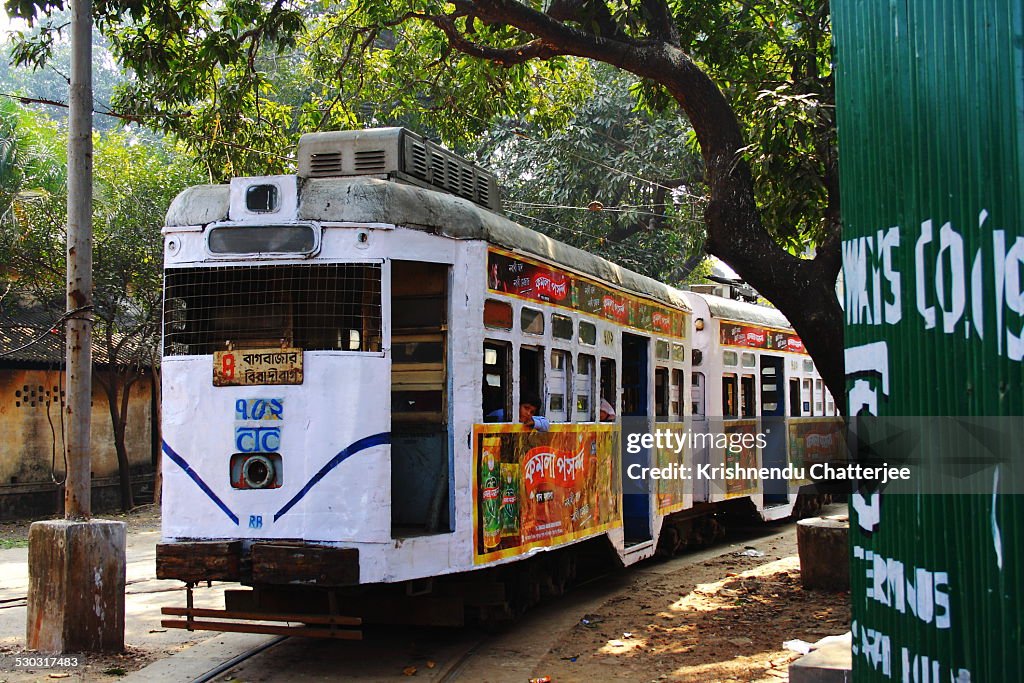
{"x":245,"y":367}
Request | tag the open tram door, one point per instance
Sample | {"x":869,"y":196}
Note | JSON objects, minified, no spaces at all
{"x":421,"y":481}
{"x":773,"y":426}
{"x":636,"y":497}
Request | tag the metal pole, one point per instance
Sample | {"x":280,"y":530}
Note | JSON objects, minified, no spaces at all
{"x":77,"y":494}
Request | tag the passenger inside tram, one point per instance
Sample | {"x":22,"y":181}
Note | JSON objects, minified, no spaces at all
{"x":529,"y":406}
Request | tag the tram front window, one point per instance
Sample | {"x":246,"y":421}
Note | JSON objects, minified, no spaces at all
{"x":331,"y":307}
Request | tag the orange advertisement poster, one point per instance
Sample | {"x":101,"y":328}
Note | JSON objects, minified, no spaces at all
{"x":540,"y":489}
{"x":672,"y":490}
{"x":745,"y":457}
{"x":815,"y":440}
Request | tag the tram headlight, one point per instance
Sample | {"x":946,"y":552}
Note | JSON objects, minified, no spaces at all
{"x":256,"y":471}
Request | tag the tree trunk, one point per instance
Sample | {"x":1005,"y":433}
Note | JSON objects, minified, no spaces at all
{"x":115,"y":389}
{"x":802,"y":289}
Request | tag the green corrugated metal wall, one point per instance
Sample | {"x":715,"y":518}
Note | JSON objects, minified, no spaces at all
{"x":930,"y":98}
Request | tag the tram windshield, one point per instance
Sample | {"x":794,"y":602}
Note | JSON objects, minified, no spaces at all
{"x":335,"y":307}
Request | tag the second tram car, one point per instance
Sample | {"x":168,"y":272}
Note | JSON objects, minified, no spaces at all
{"x":345,"y":356}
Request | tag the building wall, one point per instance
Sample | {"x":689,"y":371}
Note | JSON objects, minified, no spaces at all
{"x":31,"y":429}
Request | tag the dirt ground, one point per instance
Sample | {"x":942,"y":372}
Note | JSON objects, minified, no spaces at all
{"x":141,"y":518}
{"x":14,"y":534}
{"x":720,"y":619}
{"x":724,"y":619}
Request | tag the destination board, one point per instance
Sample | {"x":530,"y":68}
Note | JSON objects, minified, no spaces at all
{"x":249,"y":367}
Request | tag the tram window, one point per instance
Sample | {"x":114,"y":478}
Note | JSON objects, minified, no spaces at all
{"x":794,"y":398}
{"x":588,"y":333}
{"x":697,"y":394}
{"x":730,"y":358}
{"x":531,"y":321}
{"x":661,"y":394}
{"x":830,"y":406}
{"x":558,"y":386}
{"x":497,"y":399}
{"x":531,"y":372}
{"x":584,"y":385}
{"x":748,"y":360}
{"x":498,"y":314}
{"x":609,"y":383}
{"x":561,"y":326}
{"x":678,"y":353}
{"x":808,"y":365}
{"x":675,"y":395}
{"x":749,"y":396}
{"x":661,"y":349}
{"x":313,"y":307}
{"x":806,"y":397}
{"x":818,"y":395}
{"x":730,"y":400}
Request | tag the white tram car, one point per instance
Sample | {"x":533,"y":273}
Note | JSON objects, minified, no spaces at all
{"x":345,"y":352}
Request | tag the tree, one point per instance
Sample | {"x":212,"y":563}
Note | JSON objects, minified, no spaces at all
{"x":752,"y":77}
{"x":134,"y":183}
{"x":653,"y":39}
{"x":46,"y":90}
{"x":611,"y":181}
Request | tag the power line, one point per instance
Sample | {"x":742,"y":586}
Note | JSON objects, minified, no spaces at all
{"x":636,"y":252}
{"x":603,"y":209}
{"x":518,"y":131}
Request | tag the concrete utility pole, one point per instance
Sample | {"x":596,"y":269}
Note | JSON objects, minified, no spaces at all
{"x":78,"y":488}
{"x":77,"y":566}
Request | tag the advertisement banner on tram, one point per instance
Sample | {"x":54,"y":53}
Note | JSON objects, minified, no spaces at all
{"x":537,"y":489}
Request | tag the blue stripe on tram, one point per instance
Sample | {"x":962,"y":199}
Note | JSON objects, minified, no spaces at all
{"x":347,"y":452}
{"x":180,"y":461}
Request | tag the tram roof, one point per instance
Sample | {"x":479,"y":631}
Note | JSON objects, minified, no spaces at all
{"x":741,"y":311}
{"x":374,"y":200}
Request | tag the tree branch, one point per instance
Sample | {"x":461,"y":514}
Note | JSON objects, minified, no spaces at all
{"x":660,"y":23}
{"x":534,"y":49}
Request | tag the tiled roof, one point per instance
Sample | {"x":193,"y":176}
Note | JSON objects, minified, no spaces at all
{"x":31,"y":336}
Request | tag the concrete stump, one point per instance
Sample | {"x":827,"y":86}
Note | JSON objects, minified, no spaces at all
{"x":831,"y":662}
{"x":76,"y":584}
{"x":824,"y":552}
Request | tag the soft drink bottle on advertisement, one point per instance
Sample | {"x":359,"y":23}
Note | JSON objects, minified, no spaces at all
{"x":509,"y":500}
{"x":490,"y":491}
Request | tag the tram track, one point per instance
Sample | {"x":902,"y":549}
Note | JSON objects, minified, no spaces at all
{"x":226,"y":666}
{"x":468,"y":653}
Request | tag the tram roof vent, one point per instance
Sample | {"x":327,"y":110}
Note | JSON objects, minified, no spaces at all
{"x":399,"y":154}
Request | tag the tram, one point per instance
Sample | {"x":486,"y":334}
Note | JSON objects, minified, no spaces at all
{"x":345,"y":354}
